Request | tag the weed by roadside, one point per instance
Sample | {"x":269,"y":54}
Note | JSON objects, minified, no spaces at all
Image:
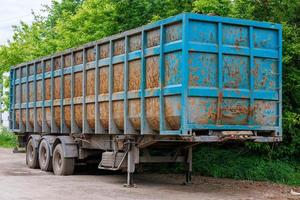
{"x":7,"y":138}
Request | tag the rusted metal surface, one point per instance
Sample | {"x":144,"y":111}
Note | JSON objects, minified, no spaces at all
{"x":134,"y":75}
{"x":47,"y":89}
{"x":152,"y":112}
{"x":57,"y":116}
{"x":104,"y":118}
{"x":39,"y":90}
{"x":202,"y":110}
{"x":57,"y":63}
{"x":78,"y":57}
{"x":118,"y":77}
{"x":78,"y":115}
{"x":90,"y":83}
{"x":119,"y":47}
{"x":67,"y":60}
{"x":134,"y":113}
{"x":152,"y":72}
{"x":67,"y":114}
{"x":153,"y":37}
{"x":173,"y":32}
{"x":173,"y":111}
{"x":90,"y":115}
{"x":118,"y":114}
{"x":103,"y":87}
{"x":135,"y":42}
{"x":104,"y":51}
{"x":173,"y":74}
{"x":57,"y":88}
{"x":184,"y":74}
{"x":77,"y":84}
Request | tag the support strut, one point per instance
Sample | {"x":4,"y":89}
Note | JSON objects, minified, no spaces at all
{"x":130,"y":165}
{"x":189,"y":166}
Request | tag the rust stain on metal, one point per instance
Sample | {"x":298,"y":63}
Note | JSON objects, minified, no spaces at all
{"x":135,"y":42}
{"x":39,"y":113}
{"x":67,"y":114}
{"x":78,"y":84}
{"x":152,"y":112}
{"x":118,"y":114}
{"x":39,"y":91}
{"x":134,"y":68}
{"x":118,"y":77}
{"x":57,"y":116}
{"x":67,"y":86}
{"x":31,"y":91}
{"x":48,"y":65}
{"x":17,"y":117}
{"x":104,"y":51}
{"x":119,"y":47}
{"x":152,"y":72}
{"x":219,"y":106}
{"x":78,"y":115}
{"x":31,"y":117}
{"x":103,"y":76}
{"x":24,"y":92}
{"x":31,"y":70}
{"x":173,"y":32}
{"x":172,"y":112}
{"x":39,"y":68}
{"x":57,"y":63}
{"x":78,"y":57}
{"x":47,"y":89}
{"x":90,"y":115}
{"x":153,"y":38}
{"x":48,"y":116}
{"x":104,"y":111}
{"x":90,"y":54}
{"x":134,"y":113}
{"x":57,"y":88}
{"x":67,"y":60}
{"x":23,"y":116}
{"x":90,"y":82}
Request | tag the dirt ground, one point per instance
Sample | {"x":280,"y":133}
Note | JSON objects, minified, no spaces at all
{"x":17,"y":182}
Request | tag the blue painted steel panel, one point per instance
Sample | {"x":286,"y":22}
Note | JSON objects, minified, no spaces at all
{"x":190,"y":73}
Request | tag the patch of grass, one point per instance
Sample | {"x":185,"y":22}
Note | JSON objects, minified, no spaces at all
{"x":235,"y":163}
{"x":7,"y":138}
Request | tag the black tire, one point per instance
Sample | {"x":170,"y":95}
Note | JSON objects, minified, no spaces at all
{"x":62,"y":166}
{"x":45,"y":160}
{"x":32,"y":160}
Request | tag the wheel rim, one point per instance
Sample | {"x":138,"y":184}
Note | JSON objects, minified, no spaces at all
{"x":58,"y":160}
{"x":30,"y":152}
{"x":43,"y":155}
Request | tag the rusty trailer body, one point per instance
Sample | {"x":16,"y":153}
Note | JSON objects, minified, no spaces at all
{"x":186,"y":79}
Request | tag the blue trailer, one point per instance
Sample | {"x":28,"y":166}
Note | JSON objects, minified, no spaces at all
{"x":166,"y":86}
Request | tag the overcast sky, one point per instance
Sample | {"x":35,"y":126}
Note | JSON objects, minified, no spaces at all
{"x":14,"y":11}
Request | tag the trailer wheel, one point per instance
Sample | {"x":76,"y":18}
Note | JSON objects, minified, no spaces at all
{"x":62,"y":166}
{"x":45,"y":160}
{"x":32,"y":160}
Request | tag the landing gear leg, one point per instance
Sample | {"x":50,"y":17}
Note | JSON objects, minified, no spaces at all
{"x":189,"y":166}
{"x":130,"y":165}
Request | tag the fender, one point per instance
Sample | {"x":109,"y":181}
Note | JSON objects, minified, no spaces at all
{"x":35,"y":140}
{"x":50,"y":142}
{"x":69,"y":146}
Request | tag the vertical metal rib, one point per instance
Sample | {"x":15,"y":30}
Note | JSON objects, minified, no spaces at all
{"x":251,"y":74}
{"x":161,"y":79}
{"x":54,"y":128}
{"x":185,"y":54}
{"x":220,"y":74}
{"x":85,"y":126}
{"x":28,"y":127}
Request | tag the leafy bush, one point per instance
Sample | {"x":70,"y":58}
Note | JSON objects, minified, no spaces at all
{"x":7,"y":138}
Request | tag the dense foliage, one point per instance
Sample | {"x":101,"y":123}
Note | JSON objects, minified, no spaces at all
{"x":71,"y":23}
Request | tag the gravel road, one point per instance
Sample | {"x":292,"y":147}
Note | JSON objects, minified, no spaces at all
{"x":17,"y":182}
